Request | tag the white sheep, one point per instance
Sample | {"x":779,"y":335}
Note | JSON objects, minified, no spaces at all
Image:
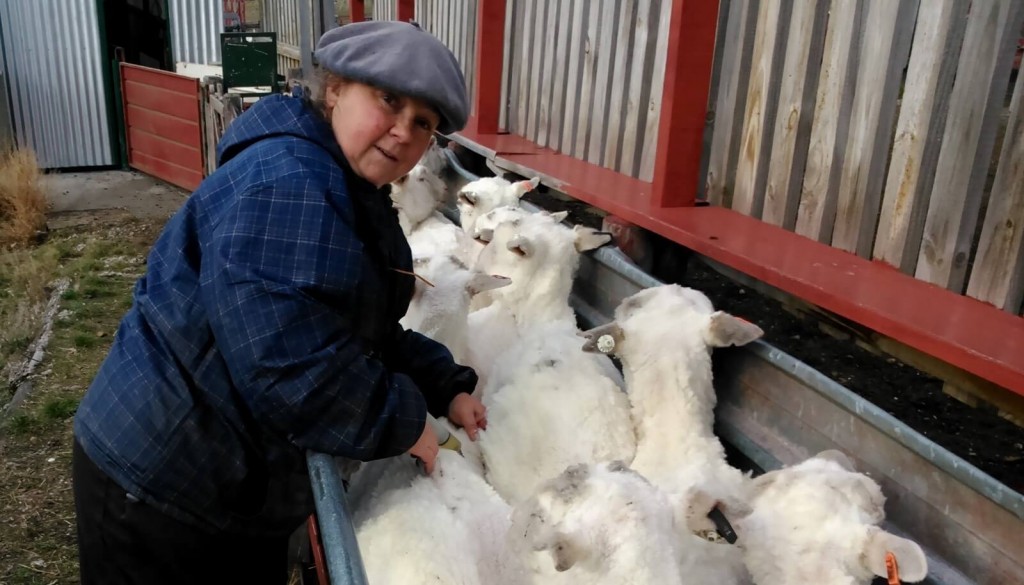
{"x":663,"y":335}
{"x":448,"y":528}
{"x":817,"y":522}
{"x":417,"y":197}
{"x":598,"y":524}
{"x":440,"y":309}
{"x":483,"y":195}
{"x":541,"y":257}
{"x":549,"y":404}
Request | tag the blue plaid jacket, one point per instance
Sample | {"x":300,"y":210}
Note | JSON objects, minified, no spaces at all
{"x":266,"y":324}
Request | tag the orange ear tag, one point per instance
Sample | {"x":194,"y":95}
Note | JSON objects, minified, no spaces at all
{"x":892,"y":568}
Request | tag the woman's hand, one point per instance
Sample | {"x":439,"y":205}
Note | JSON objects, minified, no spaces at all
{"x":468,"y":413}
{"x":426,"y":448}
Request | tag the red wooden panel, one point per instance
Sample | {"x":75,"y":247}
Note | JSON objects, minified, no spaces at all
{"x":490,"y":50}
{"x":163,"y":125}
{"x":177,"y":153}
{"x":962,"y":331}
{"x":164,"y":133}
{"x":162,"y":79}
{"x":406,"y":10}
{"x":158,"y":99}
{"x":691,"y":51}
{"x":185,"y":178}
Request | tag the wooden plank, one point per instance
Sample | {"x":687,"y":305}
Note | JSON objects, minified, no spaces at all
{"x":998,"y":273}
{"x":186,"y":178}
{"x":816,"y":214}
{"x":181,"y":154}
{"x":506,"y":67}
{"x":136,"y":74}
{"x":729,"y":105}
{"x":649,"y":153}
{"x":556,"y":121}
{"x":163,"y":125}
{"x":588,"y":81}
{"x":537,"y":73}
{"x":937,"y":39}
{"x":884,"y":52}
{"x":794,"y":113}
{"x":638,"y":93}
{"x":526,"y":66}
{"x":762,"y":92}
{"x":574,"y":75}
{"x":598,"y":119}
{"x":172,"y":103}
{"x":547,"y":81}
{"x":621,"y":65}
{"x":993,"y":28}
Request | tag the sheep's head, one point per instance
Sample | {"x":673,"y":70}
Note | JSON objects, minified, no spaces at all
{"x":820,"y":518}
{"x":668,"y":316}
{"x":415,"y":196}
{"x":587,"y":514}
{"x":483,"y":195}
{"x":537,"y":252}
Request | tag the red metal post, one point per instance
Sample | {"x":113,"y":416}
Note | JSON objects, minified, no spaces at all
{"x":406,"y":10}
{"x":691,"y":52}
{"x":490,"y":47}
{"x":357,"y":10}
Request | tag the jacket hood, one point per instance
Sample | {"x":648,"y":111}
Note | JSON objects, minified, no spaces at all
{"x":273,"y":116}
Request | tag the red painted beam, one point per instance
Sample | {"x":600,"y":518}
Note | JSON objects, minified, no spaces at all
{"x":959,"y":330}
{"x":406,"y":10}
{"x":691,"y":53}
{"x":490,"y":47}
{"x":357,"y":10}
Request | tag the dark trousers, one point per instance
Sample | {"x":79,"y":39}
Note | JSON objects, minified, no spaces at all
{"x":122,"y":541}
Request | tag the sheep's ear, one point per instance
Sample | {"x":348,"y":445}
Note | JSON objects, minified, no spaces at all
{"x":725,"y":330}
{"x":521,"y":188}
{"x":603,"y":339}
{"x":910,"y":559}
{"x":468,"y":197}
{"x":589,"y":238}
{"x":483,"y":282}
{"x":401,"y":180}
{"x":838,"y":457}
{"x":559,"y":216}
{"x":484,"y":235}
{"x":521,"y":246}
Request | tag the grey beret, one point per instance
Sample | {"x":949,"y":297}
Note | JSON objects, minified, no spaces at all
{"x":403,"y":58}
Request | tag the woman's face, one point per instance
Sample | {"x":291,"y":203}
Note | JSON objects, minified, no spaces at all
{"x":382,"y":134}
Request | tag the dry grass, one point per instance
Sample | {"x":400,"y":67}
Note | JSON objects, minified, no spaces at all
{"x":23,"y":202}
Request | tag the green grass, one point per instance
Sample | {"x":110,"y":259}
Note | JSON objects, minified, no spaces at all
{"x":36,"y":502}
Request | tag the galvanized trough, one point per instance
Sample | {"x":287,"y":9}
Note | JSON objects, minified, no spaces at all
{"x":773,"y":411}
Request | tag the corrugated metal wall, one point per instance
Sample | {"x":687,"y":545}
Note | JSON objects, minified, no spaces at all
{"x":58,"y":100}
{"x":385,"y":10}
{"x":195,"y":30}
{"x":455,"y":24}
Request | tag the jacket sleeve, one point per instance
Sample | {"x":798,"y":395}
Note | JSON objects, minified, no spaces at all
{"x":277,"y":263}
{"x":432,"y":367}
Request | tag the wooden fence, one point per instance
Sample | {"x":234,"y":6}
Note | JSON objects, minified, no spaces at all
{"x":882,"y":128}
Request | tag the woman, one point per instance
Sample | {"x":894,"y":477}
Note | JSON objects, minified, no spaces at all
{"x":267,"y":325}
